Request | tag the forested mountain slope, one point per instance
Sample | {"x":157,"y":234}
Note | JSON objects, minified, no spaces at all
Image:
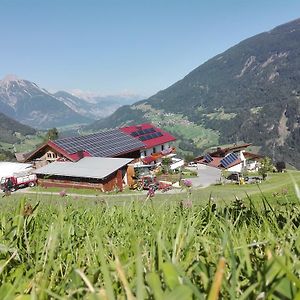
{"x":251,"y":92}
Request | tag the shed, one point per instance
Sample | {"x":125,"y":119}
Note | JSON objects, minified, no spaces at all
{"x":101,"y":173}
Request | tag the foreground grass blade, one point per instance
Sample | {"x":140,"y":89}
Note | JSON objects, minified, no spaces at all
{"x":217,"y":283}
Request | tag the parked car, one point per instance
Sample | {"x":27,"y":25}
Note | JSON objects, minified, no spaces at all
{"x":253,"y":179}
{"x":234,"y":177}
{"x":192,"y":164}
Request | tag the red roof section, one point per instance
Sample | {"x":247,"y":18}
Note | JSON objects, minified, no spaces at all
{"x":165,"y":138}
{"x":253,"y":156}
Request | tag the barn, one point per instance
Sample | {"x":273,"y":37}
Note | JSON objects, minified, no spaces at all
{"x":100,"y":173}
{"x":108,"y":143}
{"x":135,"y":142}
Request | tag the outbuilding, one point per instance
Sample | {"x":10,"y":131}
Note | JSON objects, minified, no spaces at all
{"x":100,"y":173}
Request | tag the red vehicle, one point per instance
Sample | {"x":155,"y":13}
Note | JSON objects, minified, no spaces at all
{"x":15,"y":182}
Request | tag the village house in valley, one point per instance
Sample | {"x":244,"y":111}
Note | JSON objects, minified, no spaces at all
{"x":232,"y":159}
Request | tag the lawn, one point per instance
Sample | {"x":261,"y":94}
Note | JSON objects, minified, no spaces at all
{"x":83,"y":248}
{"x":277,"y":186}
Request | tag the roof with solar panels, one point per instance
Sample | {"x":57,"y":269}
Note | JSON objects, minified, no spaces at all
{"x":223,"y":158}
{"x":148,"y":134}
{"x":109,"y":143}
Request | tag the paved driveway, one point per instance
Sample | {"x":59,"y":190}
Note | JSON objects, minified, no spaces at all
{"x":206,"y":176}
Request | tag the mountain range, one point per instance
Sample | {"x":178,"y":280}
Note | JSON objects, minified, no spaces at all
{"x":24,"y":101}
{"x":95,"y":106}
{"x":250,"y":92}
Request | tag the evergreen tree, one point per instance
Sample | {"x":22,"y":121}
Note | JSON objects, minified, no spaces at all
{"x":52,"y":134}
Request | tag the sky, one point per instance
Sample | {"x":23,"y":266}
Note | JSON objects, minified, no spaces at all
{"x":130,"y":46}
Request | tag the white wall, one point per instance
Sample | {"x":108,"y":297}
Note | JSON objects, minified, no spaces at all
{"x":252,"y":166}
{"x":242,"y":157}
{"x":236,"y":168}
{"x":158,"y":148}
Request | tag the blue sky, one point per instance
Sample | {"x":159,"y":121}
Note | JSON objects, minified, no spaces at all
{"x":112,"y":46}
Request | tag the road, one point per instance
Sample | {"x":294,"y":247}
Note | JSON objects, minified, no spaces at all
{"x":206,"y":176}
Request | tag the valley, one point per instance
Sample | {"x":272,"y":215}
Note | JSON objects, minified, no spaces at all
{"x":249,"y":93}
{"x":150,"y":150}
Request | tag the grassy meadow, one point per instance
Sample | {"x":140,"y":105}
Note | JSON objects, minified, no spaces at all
{"x":222,"y":242}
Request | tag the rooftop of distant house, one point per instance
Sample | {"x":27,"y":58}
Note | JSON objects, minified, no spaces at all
{"x":148,"y":134}
{"x":226,"y":157}
{"x":107,"y":143}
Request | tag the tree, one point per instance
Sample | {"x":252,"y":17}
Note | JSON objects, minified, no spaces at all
{"x":266,"y":166}
{"x":52,"y":134}
{"x":166,"y":161}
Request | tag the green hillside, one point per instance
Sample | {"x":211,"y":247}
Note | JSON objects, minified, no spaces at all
{"x":250,"y":93}
{"x":9,"y":129}
{"x":12,"y":132}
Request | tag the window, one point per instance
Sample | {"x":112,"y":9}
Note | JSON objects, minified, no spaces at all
{"x":162,"y":147}
{"x":154,"y":150}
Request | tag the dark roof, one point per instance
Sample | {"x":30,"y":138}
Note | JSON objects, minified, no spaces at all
{"x":107,"y":143}
{"x":150,"y":135}
{"x":253,"y":156}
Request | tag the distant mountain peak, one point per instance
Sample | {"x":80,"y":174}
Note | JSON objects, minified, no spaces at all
{"x":9,"y":80}
{"x":10,"y":77}
{"x":26,"y":102}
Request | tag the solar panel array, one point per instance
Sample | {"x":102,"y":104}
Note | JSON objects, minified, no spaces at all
{"x":150,"y":136}
{"x":146,"y":134}
{"x":228,"y":160}
{"x":108,"y":143}
{"x":208,"y":158}
{"x":142,"y":132}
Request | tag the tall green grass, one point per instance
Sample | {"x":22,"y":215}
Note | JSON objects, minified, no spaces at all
{"x":244,"y":250}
